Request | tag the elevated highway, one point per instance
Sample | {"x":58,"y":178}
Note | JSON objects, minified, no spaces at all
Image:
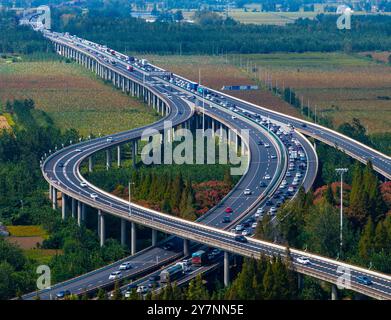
{"x":61,"y":169}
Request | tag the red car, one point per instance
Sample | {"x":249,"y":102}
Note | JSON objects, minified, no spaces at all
{"x":228,"y":210}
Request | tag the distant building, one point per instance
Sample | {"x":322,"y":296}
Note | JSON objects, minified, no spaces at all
{"x":342,"y":9}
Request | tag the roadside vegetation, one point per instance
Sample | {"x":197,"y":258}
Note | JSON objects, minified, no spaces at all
{"x":68,"y":249}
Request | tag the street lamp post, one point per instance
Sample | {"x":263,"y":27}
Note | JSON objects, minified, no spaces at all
{"x":341,"y":171}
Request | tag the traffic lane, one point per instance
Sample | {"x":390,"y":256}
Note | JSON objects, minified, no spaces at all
{"x":101,"y":278}
{"x":355,"y":148}
{"x":260,"y":165}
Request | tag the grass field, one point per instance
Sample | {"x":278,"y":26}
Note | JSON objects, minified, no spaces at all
{"x":42,"y":256}
{"x":72,"y":96}
{"x":27,"y":231}
{"x":341,"y":86}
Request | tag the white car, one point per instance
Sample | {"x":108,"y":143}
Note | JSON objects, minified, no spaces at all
{"x":267,"y":145}
{"x":93,"y":196}
{"x":239,"y":227}
{"x":109,"y":139}
{"x":83,"y":184}
{"x":125,"y":266}
{"x":260,"y":210}
{"x":233,"y":117}
{"x":247,"y":192}
{"x":272,"y":211}
{"x":303,"y":260}
{"x":273,"y":156}
{"x":245,"y":232}
{"x":254,"y":225}
{"x":78,"y":150}
{"x":267,"y":177}
{"x":115,"y":275}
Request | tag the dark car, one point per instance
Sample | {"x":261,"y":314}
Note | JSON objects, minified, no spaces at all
{"x":304,"y":125}
{"x":154,"y":278}
{"x":226,"y":220}
{"x":61,"y":164}
{"x":269,"y":202}
{"x":62,"y":294}
{"x":364,"y":280}
{"x":240,"y":238}
{"x":260,"y":143}
{"x":262,"y":184}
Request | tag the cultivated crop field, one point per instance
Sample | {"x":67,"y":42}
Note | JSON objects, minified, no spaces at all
{"x":269,"y":18}
{"x":342,"y":86}
{"x":72,"y":96}
{"x":219,"y":71}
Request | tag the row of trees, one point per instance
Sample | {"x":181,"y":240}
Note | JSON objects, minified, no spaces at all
{"x":24,"y":201}
{"x":171,"y":190}
{"x":129,"y":34}
{"x":312,"y":223}
{"x":19,"y":39}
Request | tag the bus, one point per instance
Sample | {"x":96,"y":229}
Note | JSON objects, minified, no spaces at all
{"x":171,"y":273}
{"x":199,"y":258}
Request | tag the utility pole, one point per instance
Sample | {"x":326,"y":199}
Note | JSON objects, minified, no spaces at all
{"x":341,"y":171}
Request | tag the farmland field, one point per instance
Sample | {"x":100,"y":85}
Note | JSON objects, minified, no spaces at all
{"x":341,"y":86}
{"x":270,"y":18}
{"x":72,"y":96}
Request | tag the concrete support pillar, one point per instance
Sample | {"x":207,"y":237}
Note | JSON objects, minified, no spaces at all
{"x":54,"y":199}
{"x":334,"y":292}
{"x":101,"y":228}
{"x":50,"y":192}
{"x":118,"y":156}
{"x":134,"y":153}
{"x":63,"y":206}
{"x":80,"y":206}
{"x":90,"y":164}
{"x":108,"y":159}
{"x":133,"y":242}
{"x":83,"y":213}
{"x":73,"y":208}
{"x":123,"y":232}
{"x":185,"y":247}
{"x":226,"y":268}
{"x":154,"y":237}
{"x":300,"y":281}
